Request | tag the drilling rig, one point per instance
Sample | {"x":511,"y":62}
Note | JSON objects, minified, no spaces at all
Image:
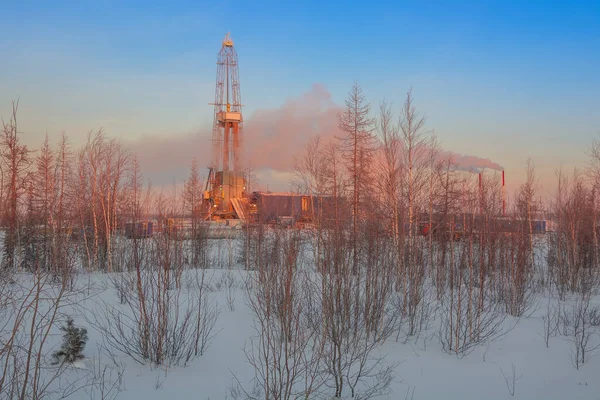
{"x":225,"y":186}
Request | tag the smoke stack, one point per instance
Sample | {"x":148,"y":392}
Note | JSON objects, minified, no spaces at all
{"x":503,"y":195}
{"x":480,"y":195}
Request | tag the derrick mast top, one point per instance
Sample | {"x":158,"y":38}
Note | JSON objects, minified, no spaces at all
{"x":228,"y":81}
{"x":227,"y":105}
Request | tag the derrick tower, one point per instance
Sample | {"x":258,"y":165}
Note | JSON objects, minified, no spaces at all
{"x":226,"y":176}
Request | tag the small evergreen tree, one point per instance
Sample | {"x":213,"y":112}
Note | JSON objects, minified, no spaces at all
{"x":74,"y":340}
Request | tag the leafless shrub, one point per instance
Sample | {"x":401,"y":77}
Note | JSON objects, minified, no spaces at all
{"x":227,"y":282}
{"x":514,"y":287}
{"x":511,"y":380}
{"x":578,"y":322}
{"x":415,"y":318}
{"x":350,"y":343}
{"x":382,"y":315}
{"x":410,"y":393}
{"x":366,"y":376}
{"x":157,"y":339}
{"x":573,"y":255}
{"x":284,"y":352}
{"x":154,"y":323}
{"x":123,"y":284}
{"x":224,"y":249}
{"x":192,"y":197}
{"x":594,"y":317}
{"x":208,"y":317}
{"x":230,"y":297}
{"x":236,"y":390}
{"x":551,"y":322}
{"x":106,"y":379}
{"x":467,"y":321}
{"x":158,"y":384}
{"x":253,"y":241}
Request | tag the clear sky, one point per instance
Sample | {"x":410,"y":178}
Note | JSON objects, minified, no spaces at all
{"x":501,"y":80}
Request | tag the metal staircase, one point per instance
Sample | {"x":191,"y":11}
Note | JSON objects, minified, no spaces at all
{"x":239,"y":210}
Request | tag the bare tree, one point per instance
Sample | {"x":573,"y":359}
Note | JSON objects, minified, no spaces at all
{"x":16,"y":160}
{"x":594,"y":172}
{"x":390,"y":172}
{"x":417,"y":156}
{"x":571,"y":254}
{"x":192,"y":198}
{"x":44,"y":192}
{"x":358,"y":146}
{"x":441,"y":226}
{"x":102,"y":166}
{"x":310,"y":177}
{"x":63,"y":218}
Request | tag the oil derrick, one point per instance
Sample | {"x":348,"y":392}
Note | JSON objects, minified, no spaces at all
{"x":226,"y":178}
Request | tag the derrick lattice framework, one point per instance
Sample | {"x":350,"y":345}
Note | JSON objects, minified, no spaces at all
{"x":227,"y":179}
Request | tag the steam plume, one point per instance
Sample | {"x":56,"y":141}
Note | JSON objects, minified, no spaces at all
{"x":472,"y":163}
{"x":273,"y":137}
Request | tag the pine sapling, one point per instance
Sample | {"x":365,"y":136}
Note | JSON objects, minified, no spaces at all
{"x":74,"y":340}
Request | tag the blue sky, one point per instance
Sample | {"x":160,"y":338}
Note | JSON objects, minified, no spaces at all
{"x":502,"y":80}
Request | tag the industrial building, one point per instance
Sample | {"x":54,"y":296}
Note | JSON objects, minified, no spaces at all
{"x":287,"y":208}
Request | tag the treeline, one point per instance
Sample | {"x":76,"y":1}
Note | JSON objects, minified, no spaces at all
{"x":49,"y":195}
{"x":388,"y":176}
{"x":55,"y":194}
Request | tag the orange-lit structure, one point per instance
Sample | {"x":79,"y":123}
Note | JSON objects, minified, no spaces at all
{"x":226,"y":183}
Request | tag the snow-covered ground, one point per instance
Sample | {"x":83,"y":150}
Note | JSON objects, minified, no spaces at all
{"x":517,"y":362}
{"x":424,"y":370}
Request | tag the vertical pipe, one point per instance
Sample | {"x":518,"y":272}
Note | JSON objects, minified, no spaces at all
{"x":503,"y":195}
{"x":225,"y":181}
{"x":480,"y":196}
{"x":236,"y":160}
{"x":236,"y":146}
{"x":226,"y":127}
